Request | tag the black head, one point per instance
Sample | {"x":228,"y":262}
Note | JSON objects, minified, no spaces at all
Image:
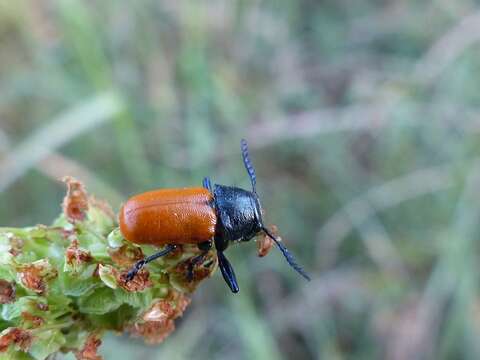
{"x":238,"y":213}
{"x":239,"y":217}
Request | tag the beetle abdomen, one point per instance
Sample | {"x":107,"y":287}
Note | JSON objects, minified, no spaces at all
{"x":169,"y":216}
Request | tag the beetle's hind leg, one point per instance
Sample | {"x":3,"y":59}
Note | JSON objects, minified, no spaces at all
{"x":194,"y":262}
{"x":141,"y":263}
{"x":204,"y":247}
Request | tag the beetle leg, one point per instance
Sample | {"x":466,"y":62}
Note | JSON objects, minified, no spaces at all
{"x":205,"y":246}
{"x":193,"y":262}
{"x":207,"y":184}
{"x":227,"y":272}
{"x":141,"y":263}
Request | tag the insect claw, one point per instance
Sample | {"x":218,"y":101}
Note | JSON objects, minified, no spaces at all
{"x":136,"y":268}
{"x":130,"y":275}
{"x":190,"y":273}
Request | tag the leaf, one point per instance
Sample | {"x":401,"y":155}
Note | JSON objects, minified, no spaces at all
{"x":107,"y":275}
{"x":4,"y":325}
{"x":101,"y":221}
{"x":13,"y":354}
{"x":115,"y":239}
{"x":7,"y":272}
{"x":90,"y":239}
{"x":116,"y":320}
{"x":57,"y":301}
{"x":140,"y":299}
{"x":46,"y":343}
{"x":78,"y":284}
{"x":14,"y":310}
{"x":101,"y":301}
{"x":5,"y":256}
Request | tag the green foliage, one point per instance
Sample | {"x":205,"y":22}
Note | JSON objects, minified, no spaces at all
{"x":62,"y":286}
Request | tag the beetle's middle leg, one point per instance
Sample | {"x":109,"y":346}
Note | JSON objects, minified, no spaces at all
{"x":204,"y":247}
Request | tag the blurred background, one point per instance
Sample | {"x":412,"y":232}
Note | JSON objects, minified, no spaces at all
{"x":363,"y":122}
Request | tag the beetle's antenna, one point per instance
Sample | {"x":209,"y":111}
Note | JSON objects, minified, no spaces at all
{"x":253,"y":178}
{"x":288,"y":256}
{"x":248,"y":165}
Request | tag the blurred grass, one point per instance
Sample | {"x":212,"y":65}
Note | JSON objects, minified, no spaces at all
{"x":363,"y":118}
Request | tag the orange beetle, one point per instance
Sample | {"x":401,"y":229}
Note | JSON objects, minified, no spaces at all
{"x":202,"y":216}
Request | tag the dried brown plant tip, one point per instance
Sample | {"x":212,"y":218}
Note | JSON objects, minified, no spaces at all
{"x":158,"y":321}
{"x":7,"y":292}
{"x":75,"y":204}
{"x":76,"y":256}
{"x":140,"y":282}
{"x":35,"y":276}
{"x":153,"y":332}
{"x":89,"y":350}
{"x":265,"y":243}
{"x":15,"y":336}
{"x":126,"y":255}
{"x":32,"y":321}
{"x":16,"y":245}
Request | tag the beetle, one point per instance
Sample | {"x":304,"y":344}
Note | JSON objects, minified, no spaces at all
{"x":206,"y":216}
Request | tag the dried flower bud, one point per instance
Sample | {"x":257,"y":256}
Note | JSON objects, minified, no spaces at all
{"x":153,"y":332}
{"x":157,"y":322}
{"x":140,"y":282}
{"x":75,"y":204}
{"x":162,"y":310}
{"x":126,"y":255}
{"x":33,"y":320}
{"x":180,"y":300}
{"x":265,"y":243}
{"x":19,"y":337}
{"x":75,"y":256}
{"x":16,"y":245}
{"x":89,"y":350}
{"x":34,"y":276}
{"x":7,"y":292}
